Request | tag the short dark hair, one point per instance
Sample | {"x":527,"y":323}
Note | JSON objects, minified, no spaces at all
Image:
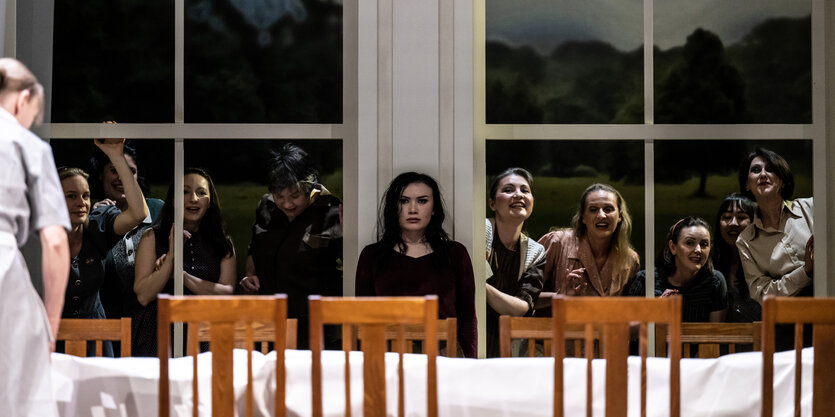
{"x":774,"y":163}
{"x":722,"y":254}
{"x":522,"y":172}
{"x":291,"y":167}
{"x":666,"y":260}
{"x":388,"y":224}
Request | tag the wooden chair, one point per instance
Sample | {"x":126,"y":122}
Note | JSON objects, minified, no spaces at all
{"x":615,"y":315}
{"x":372,"y":314}
{"x":447,"y":331}
{"x":77,"y":332}
{"x":262,"y":332}
{"x":820,"y":312}
{"x":222,"y":313}
{"x":710,"y":337}
{"x":533,"y":329}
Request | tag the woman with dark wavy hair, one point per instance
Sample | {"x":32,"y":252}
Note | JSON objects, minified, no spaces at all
{"x":684,"y":268}
{"x":414,"y":255}
{"x":208,"y":255}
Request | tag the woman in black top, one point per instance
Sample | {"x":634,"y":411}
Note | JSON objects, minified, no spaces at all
{"x":208,"y":255}
{"x":684,"y":268}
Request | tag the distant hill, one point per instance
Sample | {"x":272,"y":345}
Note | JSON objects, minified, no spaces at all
{"x":763,"y":78}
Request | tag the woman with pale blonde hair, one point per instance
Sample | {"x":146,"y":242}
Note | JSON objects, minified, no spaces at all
{"x":594,"y":257}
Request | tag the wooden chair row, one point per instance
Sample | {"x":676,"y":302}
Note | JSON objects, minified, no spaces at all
{"x":606,"y":319}
{"x":709,"y":339}
{"x":77,"y":332}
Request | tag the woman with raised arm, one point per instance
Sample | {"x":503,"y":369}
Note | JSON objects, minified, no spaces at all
{"x":514,"y":261}
{"x":684,"y":268}
{"x":414,"y":256}
{"x":734,"y":215}
{"x":208,"y":254}
{"x":31,"y":201}
{"x":594,"y":257}
{"x":116,"y":293}
{"x":777,"y":248}
{"x":296,"y":245}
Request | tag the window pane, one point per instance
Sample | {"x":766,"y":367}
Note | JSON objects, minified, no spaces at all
{"x":263,"y":62}
{"x":693,"y":177}
{"x":733,"y":62}
{"x":564,"y":61}
{"x":154,"y":161}
{"x":562,"y":170}
{"x":113,"y":61}
{"x":239,"y":170}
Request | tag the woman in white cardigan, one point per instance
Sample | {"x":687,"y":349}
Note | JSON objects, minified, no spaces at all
{"x":514,"y":261}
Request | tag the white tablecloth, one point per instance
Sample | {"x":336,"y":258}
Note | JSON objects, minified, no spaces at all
{"x":728,"y":386}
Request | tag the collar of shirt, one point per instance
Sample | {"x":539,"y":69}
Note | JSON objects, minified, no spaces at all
{"x":790,"y":208}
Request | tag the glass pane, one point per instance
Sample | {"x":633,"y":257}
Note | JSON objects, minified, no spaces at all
{"x":154,"y":159}
{"x":263,"y":61}
{"x":562,"y":170}
{"x":113,"y":61}
{"x":564,"y":61}
{"x":733,"y":62}
{"x":693,"y":177}
{"x":239,"y":170}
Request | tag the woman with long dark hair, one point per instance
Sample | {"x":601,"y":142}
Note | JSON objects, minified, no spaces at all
{"x":734,"y":215}
{"x":414,"y":255}
{"x":208,"y":255}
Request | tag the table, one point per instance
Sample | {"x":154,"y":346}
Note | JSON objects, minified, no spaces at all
{"x":728,"y":386}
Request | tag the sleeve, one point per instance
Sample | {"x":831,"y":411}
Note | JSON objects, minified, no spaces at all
{"x":761,"y":284}
{"x":465,"y":303}
{"x":638,"y":287}
{"x":364,"y":284}
{"x":100,"y":224}
{"x":553,"y":246}
{"x":46,"y":197}
{"x":530,"y":284}
{"x":720,"y":299}
{"x":262,"y":218}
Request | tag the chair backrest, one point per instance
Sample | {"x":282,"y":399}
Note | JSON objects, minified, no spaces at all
{"x":372,"y":315}
{"x":447,"y":332}
{"x":820,"y":312}
{"x":708,"y":338}
{"x":77,"y":332}
{"x":262,"y":333}
{"x":534,"y":329}
{"x":615,"y":314}
{"x":222,"y":313}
